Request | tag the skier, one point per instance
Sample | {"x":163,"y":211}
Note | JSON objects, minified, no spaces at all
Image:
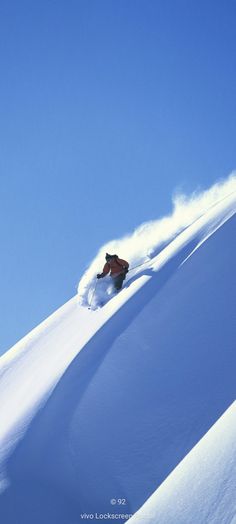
{"x":117,"y":269}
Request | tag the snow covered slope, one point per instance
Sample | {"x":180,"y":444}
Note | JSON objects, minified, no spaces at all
{"x":202,"y":488}
{"x":101,"y":405}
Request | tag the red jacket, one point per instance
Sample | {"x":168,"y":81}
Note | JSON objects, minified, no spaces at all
{"x":116,"y":266}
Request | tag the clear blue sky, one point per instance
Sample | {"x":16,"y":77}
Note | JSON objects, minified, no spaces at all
{"x":106,"y":107}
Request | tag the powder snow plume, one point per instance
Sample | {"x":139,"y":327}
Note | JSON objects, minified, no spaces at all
{"x":150,"y":237}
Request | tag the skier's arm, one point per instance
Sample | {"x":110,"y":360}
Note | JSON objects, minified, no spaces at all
{"x":105,"y":271}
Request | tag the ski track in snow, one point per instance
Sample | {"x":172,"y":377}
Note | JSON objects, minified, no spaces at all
{"x":41,"y":382}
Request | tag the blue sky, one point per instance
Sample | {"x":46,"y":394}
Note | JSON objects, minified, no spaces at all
{"x":106,"y":108}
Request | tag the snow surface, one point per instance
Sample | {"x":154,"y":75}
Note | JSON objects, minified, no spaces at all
{"x":202,"y":489}
{"x":100,"y":405}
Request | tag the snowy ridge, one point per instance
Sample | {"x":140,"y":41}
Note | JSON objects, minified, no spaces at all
{"x":104,"y":404}
{"x":209,"y":472}
{"x":151,"y":237}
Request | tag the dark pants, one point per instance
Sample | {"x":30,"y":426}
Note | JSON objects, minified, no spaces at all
{"x":118,"y":281}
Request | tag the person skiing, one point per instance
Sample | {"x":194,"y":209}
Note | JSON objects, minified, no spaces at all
{"x":117,"y":269}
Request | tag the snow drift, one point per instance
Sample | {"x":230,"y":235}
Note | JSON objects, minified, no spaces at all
{"x":99,"y":407}
{"x":149,"y":238}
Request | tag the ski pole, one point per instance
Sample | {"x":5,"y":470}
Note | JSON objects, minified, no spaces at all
{"x":139,"y":265}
